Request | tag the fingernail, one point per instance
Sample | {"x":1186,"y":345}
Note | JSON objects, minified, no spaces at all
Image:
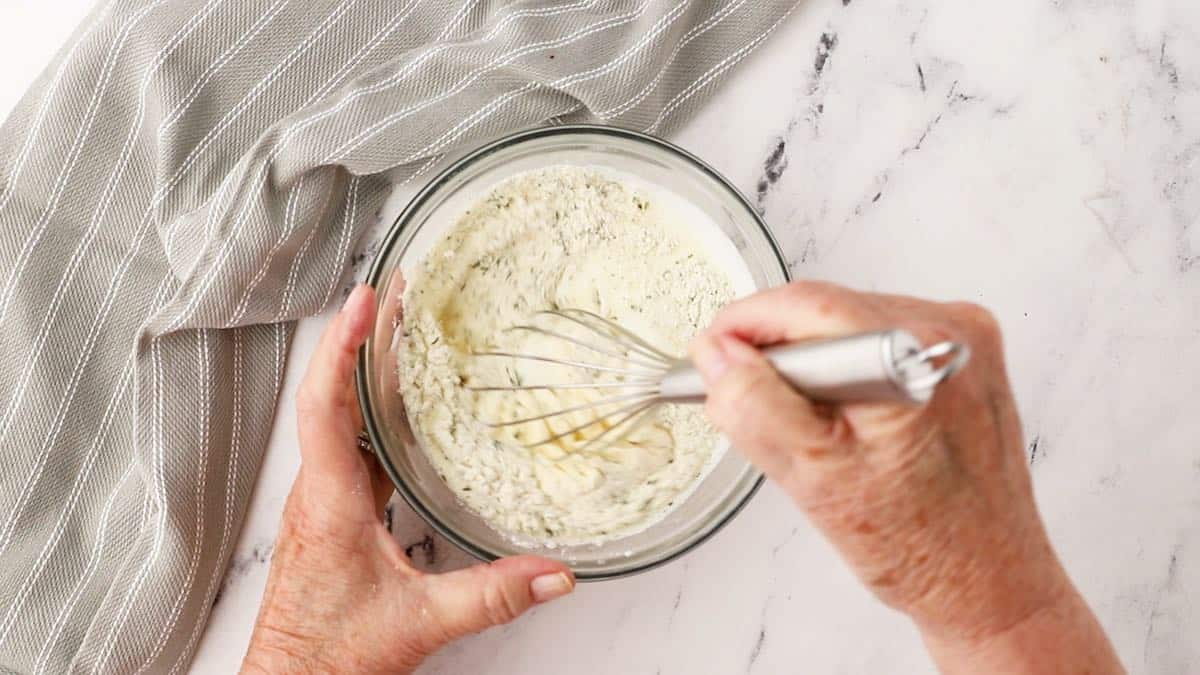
{"x":550,"y":586}
{"x":709,"y":357}
{"x":355,"y":314}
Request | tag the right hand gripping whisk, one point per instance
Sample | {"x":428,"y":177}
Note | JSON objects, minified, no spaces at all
{"x":887,"y":365}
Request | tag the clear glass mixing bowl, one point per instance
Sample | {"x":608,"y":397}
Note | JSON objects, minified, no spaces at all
{"x":732,"y":480}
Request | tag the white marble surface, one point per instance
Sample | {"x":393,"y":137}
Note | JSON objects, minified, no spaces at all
{"x":1042,"y":158}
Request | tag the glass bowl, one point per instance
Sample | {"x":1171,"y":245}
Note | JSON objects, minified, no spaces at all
{"x":730,"y":482}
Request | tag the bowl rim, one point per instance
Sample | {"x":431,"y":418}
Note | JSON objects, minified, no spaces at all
{"x":392,"y":237}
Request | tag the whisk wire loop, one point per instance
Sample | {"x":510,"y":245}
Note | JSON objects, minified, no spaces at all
{"x":575,"y":408}
{"x":636,"y":406}
{"x":586,"y":345}
{"x":612,"y":331}
{"x":631,"y":421}
{"x":623,"y":384}
{"x":639,"y":365}
{"x":566,"y":362}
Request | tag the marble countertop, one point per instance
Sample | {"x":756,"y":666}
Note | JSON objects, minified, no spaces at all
{"x":1041,"y":158}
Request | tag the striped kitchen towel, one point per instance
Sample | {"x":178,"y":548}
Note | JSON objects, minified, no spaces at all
{"x":187,"y":179}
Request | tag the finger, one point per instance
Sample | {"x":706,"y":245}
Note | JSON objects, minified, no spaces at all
{"x":877,"y":423}
{"x":799,"y":310}
{"x":470,"y":600}
{"x":325,"y":403}
{"x":761,"y":414}
{"x":806,"y":310}
{"x":381,"y":484}
{"x":929,"y":323}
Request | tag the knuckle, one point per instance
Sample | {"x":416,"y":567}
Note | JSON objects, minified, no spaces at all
{"x":431,"y":630}
{"x":715,"y":409}
{"x":978,"y":316}
{"x":808,"y":291}
{"x":841,"y":308}
{"x":307,"y":401}
{"x":980,"y":324}
{"x":500,"y":603}
{"x":735,"y":399}
{"x":832,"y":510}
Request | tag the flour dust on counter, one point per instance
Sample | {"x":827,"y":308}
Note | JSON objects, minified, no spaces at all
{"x":563,"y":237}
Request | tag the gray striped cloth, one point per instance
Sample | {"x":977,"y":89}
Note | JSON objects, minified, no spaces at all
{"x":186,"y":180}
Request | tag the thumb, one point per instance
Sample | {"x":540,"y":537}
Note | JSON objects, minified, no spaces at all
{"x":479,"y":597}
{"x":760,"y":413}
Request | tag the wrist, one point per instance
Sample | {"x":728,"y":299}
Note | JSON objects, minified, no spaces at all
{"x":273,"y":651}
{"x":1060,"y":635}
{"x":982,"y":614}
{"x":989,"y":575}
{"x":990,"y":603}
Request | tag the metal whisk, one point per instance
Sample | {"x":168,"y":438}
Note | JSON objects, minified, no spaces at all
{"x":888,"y":365}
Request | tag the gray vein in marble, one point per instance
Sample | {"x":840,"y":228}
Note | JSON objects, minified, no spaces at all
{"x":954,"y":97}
{"x":761,"y":640}
{"x":808,"y":253}
{"x":825,"y":46}
{"x":674,"y":609}
{"x":1166,"y":65}
{"x":1034,"y":447}
{"x":786,"y":540}
{"x":1169,"y":585}
{"x":954,"y":100}
{"x":773,"y":168}
{"x":758,"y":645}
{"x":427,"y":547}
{"x":776,"y":162}
{"x":912,"y":37}
{"x":241,"y":565}
{"x":929,"y":127}
{"x":1094,"y":204}
{"x":364,"y":255}
{"x":620,"y":619}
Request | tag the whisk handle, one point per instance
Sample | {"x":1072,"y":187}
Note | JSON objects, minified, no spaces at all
{"x":881,"y":366}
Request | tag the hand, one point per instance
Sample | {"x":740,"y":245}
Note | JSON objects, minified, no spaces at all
{"x":341,"y":595}
{"x":931,"y":506}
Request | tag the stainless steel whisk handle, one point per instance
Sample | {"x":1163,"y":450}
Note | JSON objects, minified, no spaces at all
{"x":882,"y":366}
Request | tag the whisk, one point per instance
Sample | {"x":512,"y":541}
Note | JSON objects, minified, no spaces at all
{"x":888,"y":365}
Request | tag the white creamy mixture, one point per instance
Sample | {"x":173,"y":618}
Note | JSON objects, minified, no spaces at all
{"x":566,"y":237}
